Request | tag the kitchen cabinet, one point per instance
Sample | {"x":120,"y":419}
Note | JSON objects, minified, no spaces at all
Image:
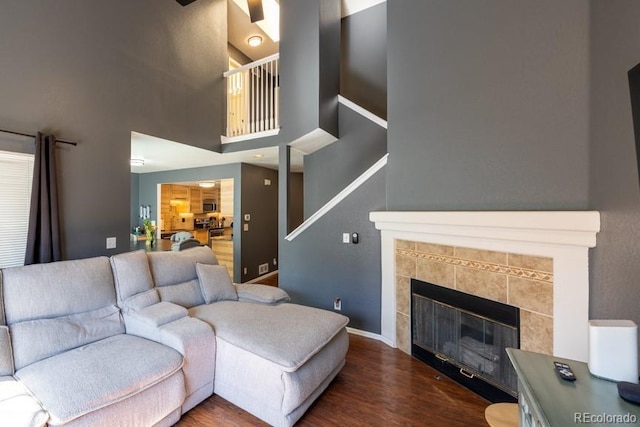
{"x":195,"y":200}
{"x":202,"y":236}
{"x":165,"y":200}
{"x":179,"y":192}
{"x":223,"y":249}
{"x":226,"y":199}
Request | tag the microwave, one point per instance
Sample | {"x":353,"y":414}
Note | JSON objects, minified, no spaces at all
{"x":208,"y":206}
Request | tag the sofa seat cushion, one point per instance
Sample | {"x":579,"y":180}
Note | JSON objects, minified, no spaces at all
{"x":88,"y":378}
{"x":286,"y":334}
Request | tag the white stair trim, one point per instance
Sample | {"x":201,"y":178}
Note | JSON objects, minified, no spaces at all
{"x":338,"y":198}
{"x":364,"y":113}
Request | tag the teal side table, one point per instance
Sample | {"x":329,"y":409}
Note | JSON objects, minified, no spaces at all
{"x":548,"y":401}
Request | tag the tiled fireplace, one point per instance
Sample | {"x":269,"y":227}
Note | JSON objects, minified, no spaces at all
{"x":537,"y":261}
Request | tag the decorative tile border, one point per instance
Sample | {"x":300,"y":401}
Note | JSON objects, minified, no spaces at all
{"x":508,"y":270}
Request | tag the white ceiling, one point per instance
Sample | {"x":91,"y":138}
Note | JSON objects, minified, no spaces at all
{"x":163,"y":155}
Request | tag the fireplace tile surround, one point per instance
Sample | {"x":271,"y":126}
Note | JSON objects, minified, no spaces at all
{"x":522,"y":281}
{"x":537,"y":261}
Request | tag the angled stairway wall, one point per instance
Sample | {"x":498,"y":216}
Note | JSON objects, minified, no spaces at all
{"x":316,"y":266}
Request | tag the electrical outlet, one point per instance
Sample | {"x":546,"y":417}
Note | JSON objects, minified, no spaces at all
{"x":346,"y":238}
{"x":245,"y":227}
{"x":275,"y":261}
{"x":263,"y":268}
{"x":111,"y":242}
{"x":245,"y":270}
{"x":337,"y":304}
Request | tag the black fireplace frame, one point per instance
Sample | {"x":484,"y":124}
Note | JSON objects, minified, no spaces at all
{"x":493,"y":310}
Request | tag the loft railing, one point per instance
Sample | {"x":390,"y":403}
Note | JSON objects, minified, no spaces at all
{"x":252,"y":98}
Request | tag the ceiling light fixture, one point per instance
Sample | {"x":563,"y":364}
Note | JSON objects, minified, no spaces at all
{"x":136,"y":162}
{"x":207,"y":184}
{"x":258,"y":156}
{"x":271,"y":22}
{"x":254,"y":41}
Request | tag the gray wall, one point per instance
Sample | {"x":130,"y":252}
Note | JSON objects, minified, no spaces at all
{"x":260,"y":243}
{"x":296,"y":199}
{"x":316,"y":267}
{"x":93,"y":71}
{"x":488,"y":104}
{"x":522,"y":105}
{"x":615,"y":270}
{"x":135,"y":201}
{"x":328,"y":171}
{"x":363,"y":66}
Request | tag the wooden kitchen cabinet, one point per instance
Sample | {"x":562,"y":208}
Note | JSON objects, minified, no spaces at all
{"x":179,"y":192}
{"x":225,"y":207}
{"x":211,"y":194}
{"x":195,"y":199}
{"x":202,"y":236}
{"x":165,"y":199}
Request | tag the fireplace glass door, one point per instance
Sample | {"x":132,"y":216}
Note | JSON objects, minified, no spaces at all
{"x":472,"y":342}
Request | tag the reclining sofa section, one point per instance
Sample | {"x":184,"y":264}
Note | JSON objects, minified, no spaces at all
{"x":138,"y":339}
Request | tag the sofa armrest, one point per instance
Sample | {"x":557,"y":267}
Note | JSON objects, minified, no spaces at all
{"x":17,"y":407}
{"x":159,"y":314}
{"x":146,"y":322}
{"x":252,"y":292}
{"x":196,"y":341}
{"x":170,"y":324}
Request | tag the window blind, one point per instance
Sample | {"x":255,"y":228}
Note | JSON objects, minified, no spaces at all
{"x":16,"y":172}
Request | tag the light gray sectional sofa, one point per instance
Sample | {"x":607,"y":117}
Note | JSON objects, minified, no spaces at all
{"x":139,"y":339}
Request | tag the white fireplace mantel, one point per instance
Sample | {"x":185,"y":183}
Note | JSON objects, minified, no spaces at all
{"x":564,"y":236}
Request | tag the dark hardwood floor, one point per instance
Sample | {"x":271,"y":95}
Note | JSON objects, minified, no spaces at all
{"x":271,"y":280}
{"x":379,"y":386}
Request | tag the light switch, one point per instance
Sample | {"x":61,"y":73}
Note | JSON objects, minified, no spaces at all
{"x":111,"y":242}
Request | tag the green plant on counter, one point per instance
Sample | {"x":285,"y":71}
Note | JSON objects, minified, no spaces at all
{"x":149,"y":229}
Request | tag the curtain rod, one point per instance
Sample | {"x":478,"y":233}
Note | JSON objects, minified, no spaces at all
{"x":33,"y":136}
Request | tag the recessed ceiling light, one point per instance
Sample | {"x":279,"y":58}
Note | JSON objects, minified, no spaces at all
{"x":254,"y":41}
{"x":207,"y":184}
{"x":137,"y":162}
{"x":258,"y":156}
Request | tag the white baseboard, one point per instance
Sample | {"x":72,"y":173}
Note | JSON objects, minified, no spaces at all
{"x":371,"y":335}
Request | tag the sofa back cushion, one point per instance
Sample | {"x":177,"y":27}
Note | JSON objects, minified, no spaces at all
{"x":51,"y":308}
{"x":134,"y":284}
{"x":175,"y":276}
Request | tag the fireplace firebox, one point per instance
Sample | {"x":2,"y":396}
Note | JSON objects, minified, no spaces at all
{"x":465,"y":337}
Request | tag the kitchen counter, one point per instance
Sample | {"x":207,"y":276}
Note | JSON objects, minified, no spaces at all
{"x":158,"y":245}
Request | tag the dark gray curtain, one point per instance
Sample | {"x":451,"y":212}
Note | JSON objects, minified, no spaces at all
{"x":43,"y":241}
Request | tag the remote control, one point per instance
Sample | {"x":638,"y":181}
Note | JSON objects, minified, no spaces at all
{"x":564,"y":371}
